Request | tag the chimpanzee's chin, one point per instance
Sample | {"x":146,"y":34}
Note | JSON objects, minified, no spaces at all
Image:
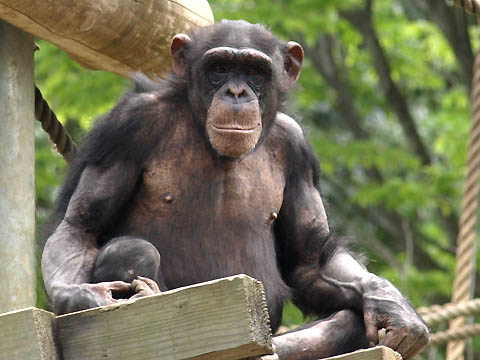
{"x":233,"y":143}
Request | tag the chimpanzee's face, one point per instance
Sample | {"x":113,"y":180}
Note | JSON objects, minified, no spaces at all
{"x":235,"y":85}
{"x":236,"y":81}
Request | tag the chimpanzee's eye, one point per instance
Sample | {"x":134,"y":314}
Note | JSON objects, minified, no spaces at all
{"x":217,"y":73}
{"x":220,"y":68}
{"x":255,"y":76}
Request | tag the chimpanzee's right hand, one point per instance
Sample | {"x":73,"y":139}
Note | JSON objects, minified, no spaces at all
{"x":76,"y":297}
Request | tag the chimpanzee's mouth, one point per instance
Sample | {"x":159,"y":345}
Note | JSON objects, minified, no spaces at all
{"x":235,"y":129}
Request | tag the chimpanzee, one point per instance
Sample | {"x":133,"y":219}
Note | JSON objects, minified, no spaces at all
{"x":205,"y":166}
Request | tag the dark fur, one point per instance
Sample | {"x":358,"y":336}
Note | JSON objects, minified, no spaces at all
{"x":130,"y":132}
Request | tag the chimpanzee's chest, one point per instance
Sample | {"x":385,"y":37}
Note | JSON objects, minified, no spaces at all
{"x":209,"y":217}
{"x":192,"y":188}
{"x":179,"y":188}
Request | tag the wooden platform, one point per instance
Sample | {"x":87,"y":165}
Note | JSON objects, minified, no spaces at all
{"x":222,"y":319}
{"x":376,"y":353}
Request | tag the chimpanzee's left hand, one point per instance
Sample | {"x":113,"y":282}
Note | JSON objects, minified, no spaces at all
{"x":385,"y":307}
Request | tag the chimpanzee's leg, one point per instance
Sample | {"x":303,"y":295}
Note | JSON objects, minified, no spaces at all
{"x":125,"y":258}
{"x":342,"y":332}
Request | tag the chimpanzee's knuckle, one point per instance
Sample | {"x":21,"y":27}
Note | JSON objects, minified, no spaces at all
{"x":419,"y":331}
{"x":424,"y":335}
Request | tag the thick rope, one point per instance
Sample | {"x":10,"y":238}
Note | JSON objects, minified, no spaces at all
{"x":465,"y":266}
{"x":57,"y":133}
{"x":437,"y":314}
{"x":470,"y":6}
{"x":456,"y":334}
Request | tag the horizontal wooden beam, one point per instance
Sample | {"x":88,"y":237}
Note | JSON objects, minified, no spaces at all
{"x":221,"y":319}
{"x":27,"y":334}
{"x":114,"y":35}
{"x":376,"y":353}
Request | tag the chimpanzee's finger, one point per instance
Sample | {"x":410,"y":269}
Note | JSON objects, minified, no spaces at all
{"x":413,"y":351}
{"x":117,"y":285}
{"x":141,"y":289}
{"x":152,"y":284}
{"x":394,"y":339}
{"x":412,"y":345}
{"x":140,"y":286}
{"x":371,"y":328}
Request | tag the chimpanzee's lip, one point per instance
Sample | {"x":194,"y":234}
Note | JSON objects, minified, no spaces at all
{"x":235,"y":129}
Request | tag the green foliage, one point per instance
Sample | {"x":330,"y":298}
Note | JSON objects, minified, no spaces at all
{"x":72,"y":91}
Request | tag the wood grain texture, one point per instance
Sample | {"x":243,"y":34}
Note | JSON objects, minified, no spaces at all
{"x":17,"y":174}
{"x":221,"y":319}
{"x":115,"y":35}
{"x":376,"y":353}
{"x":27,"y":334}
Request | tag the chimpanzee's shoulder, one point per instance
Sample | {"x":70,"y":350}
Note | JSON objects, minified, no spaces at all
{"x":289,"y":132}
{"x":298,"y":155}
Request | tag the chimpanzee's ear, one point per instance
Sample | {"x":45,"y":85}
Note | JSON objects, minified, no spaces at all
{"x":179,"y":43}
{"x":293,"y":61}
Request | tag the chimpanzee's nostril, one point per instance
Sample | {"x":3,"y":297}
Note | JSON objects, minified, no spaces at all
{"x":235,"y":92}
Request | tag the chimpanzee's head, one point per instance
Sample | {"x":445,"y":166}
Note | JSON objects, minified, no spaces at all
{"x":237,"y":75}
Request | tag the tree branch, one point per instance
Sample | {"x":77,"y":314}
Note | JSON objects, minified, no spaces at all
{"x":361,"y":19}
{"x":454,"y":24}
{"x":322,"y":57}
{"x":379,"y":219}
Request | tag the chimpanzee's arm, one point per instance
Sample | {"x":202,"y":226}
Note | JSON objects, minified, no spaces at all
{"x":70,"y":251}
{"x":325,"y":277}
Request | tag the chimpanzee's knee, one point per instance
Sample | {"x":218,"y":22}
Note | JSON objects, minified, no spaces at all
{"x":124,"y":258}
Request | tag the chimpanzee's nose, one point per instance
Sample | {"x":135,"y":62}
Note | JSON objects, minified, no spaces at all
{"x":236,"y":92}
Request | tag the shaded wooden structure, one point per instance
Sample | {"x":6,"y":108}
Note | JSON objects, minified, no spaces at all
{"x":221,"y":319}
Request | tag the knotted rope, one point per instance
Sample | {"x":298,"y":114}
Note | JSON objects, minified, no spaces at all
{"x":465,"y":266}
{"x":456,"y":334}
{"x":437,"y":314}
{"x":56,"y":131}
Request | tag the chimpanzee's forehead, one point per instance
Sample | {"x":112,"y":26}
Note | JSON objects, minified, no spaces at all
{"x":240,"y":35}
{"x":230,"y":54}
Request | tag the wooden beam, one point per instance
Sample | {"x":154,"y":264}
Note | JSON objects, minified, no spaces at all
{"x":27,"y":334}
{"x":376,"y":353}
{"x":221,"y":319}
{"x":17,"y":170}
{"x":114,"y":35}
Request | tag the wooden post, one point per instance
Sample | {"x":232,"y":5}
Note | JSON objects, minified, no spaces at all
{"x":17,"y":173}
{"x":28,"y":334}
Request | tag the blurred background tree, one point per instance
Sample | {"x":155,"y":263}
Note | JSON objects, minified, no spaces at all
{"x":384,"y":96}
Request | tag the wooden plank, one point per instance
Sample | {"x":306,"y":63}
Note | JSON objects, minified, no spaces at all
{"x":376,"y":353}
{"x":27,"y":334}
{"x":220,"y":319}
{"x":114,"y":35}
{"x":17,"y":170}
